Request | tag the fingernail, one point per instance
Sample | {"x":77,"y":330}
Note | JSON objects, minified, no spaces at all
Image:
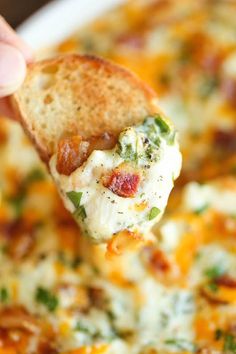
{"x":12,"y":69}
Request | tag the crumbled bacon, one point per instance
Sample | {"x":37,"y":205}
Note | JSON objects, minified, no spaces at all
{"x":106,"y":141}
{"x":211,"y":297}
{"x":73,"y":151}
{"x":225,"y":140}
{"x":134,"y":41}
{"x":211,"y":62}
{"x":17,"y":317}
{"x":20,"y":238}
{"x":19,"y":329}
{"x":122,"y":183}
{"x":227,"y":281}
{"x":97,"y":297}
{"x":228,"y":88}
{"x":156,"y":259}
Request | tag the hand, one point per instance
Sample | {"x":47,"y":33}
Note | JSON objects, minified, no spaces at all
{"x":14,"y":55}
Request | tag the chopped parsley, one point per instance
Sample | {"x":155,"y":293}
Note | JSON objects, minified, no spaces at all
{"x":4,"y":295}
{"x":208,"y":86}
{"x":75,"y":198}
{"x":181,"y":344}
{"x":156,"y":126}
{"x":82,"y":328}
{"x":127,"y":152}
{"x":163,"y":126}
{"x":215,"y":271}
{"x":46,"y":298}
{"x":34,"y":175}
{"x":146,"y":146}
{"x":218,"y":334}
{"x":17,"y":203}
{"x":80,"y":213}
{"x":229,"y":345}
{"x":212,"y":287}
{"x":201,"y":210}
{"x":72,"y":262}
{"x":153,"y":213}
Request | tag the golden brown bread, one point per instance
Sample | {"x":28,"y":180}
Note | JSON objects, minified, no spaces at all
{"x":82,"y":95}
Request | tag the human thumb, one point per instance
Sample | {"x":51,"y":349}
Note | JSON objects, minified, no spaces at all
{"x":12,"y":69}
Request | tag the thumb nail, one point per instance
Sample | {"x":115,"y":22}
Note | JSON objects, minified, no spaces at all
{"x":12,"y":69}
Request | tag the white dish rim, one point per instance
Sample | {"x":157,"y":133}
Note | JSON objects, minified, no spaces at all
{"x":70,"y":14}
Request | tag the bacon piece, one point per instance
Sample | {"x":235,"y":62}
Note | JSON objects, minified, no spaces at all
{"x":122,"y":183}
{"x":20,"y":237}
{"x":106,"y":141}
{"x":225,"y":140}
{"x":227,"y":281}
{"x":73,"y":151}
{"x":133,"y":41}
{"x":156,"y":260}
{"x":211,"y":62}
{"x":228,"y":88}
{"x":97,"y":297}
{"x":17,"y":317}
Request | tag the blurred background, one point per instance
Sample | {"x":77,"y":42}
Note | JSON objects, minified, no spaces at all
{"x":16,"y":11}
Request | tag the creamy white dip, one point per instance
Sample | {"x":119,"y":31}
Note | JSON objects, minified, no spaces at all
{"x":151,"y":150}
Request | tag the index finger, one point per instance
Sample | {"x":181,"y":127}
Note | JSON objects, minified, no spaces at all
{"x":9,"y":36}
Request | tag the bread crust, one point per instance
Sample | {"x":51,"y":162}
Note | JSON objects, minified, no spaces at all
{"x":79,"y":94}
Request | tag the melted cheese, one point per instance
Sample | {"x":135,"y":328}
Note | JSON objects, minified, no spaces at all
{"x":154,"y":301}
{"x":108,"y":213}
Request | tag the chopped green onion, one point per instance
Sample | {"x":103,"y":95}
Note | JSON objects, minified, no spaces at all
{"x":201,"y":210}
{"x":164,"y":127}
{"x":34,"y":175}
{"x":215,"y":271}
{"x":4,"y":295}
{"x":75,"y":198}
{"x":153,"y":213}
{"x":44,"y":297}
{"x":181,"y":344}
{"x":80,"y":213}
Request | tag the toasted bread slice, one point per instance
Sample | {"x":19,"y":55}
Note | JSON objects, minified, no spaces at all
{"x":82,"y":95}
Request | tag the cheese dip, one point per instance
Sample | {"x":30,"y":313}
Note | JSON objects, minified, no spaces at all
{"x":126,"y":187}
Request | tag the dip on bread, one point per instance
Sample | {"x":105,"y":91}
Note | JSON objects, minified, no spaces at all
{"x":123,"y":188}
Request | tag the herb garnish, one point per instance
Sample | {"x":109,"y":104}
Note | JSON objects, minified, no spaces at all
{"x":34,"y":175}
{"x":153,"y":213}
{"x":80,"y":213}
{"x":17,"y":201}
{"x":164,"y":127}
{"x":215,"y":271}
{"x":72,"y":262}
{"x":157,"y":126}
{"x":146,"y":147}
{"x":212,"y":287}
{"x":75,"y":198}
{"x":208,"y":86}
{"x":4,"y":295}
{"x":201,"y":209}
{"x":46,"y":298}
{"x":229,"y":345}
{"x":127,"y":152}
{"x":181,"y":344}
{"x":82,"y":328}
